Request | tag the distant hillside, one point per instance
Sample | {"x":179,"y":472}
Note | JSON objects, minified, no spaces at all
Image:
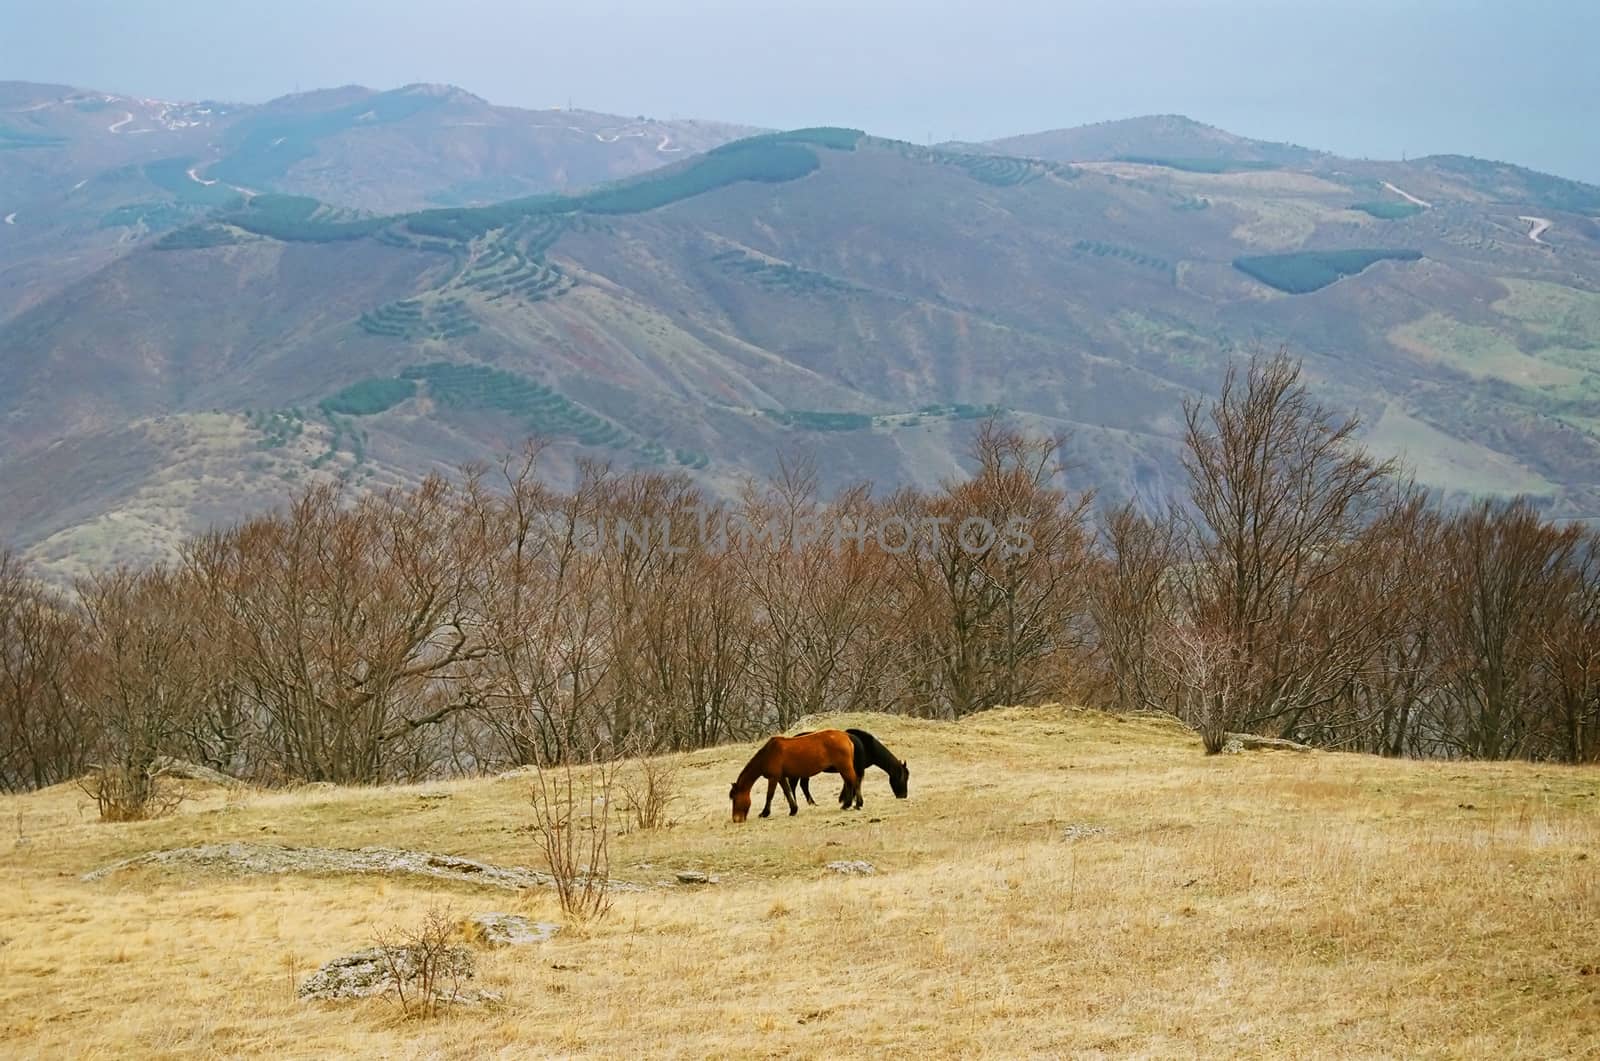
{"x":857,"y":298}
{"x":1162,"y":136}
{"x":86,"y":176}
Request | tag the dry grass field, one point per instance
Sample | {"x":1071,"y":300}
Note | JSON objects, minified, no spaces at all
{"x":1060,"y":883}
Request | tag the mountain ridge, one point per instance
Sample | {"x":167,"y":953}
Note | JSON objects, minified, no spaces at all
{"x":857,"y":297}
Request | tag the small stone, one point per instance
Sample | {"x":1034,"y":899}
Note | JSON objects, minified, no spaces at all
{"x":695,"y":876}
{"x":506,"y":930}
{"x":1078,"y":832}
{"x":852,"y":867}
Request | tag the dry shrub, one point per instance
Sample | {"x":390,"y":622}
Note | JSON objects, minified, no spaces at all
{"x":649,"y":790}
{"x":569,"y":818}
{"x":128,"y":794}
{"x":426,"y":964}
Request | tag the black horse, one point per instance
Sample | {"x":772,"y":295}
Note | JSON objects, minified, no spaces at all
{"x":869,"y":752}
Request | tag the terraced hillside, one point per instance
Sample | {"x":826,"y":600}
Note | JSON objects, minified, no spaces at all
{"x":822,"y":290}
{"x":87,"y":176}
{"x":1055,"y":877}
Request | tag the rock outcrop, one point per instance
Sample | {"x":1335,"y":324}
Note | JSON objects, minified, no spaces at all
{"x":247,"y":858}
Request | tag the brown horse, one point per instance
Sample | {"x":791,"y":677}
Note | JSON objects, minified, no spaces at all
{"x":782,"y":758}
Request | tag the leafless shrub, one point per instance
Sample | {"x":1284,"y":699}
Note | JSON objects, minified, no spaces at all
{"x":426,"y":966}
{"x":649,"y":787}
{"x":1202,"y":668}
{"x":123,"y":792}
{"x":571,"y":805}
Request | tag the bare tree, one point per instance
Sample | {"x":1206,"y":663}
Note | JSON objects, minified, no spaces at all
{"x":1132,"y":595}
{"x":997,"y":575}
{"x":544,"y":614}
{"x":346,"y":628}
{"x":45,"y":738}
{"x":139,"y":671}
{"x":1569,"y":656}
{"x":1280,"y":495}
{"x":1509,"y":578}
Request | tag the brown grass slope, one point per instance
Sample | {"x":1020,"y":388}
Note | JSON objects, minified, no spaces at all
{"x":1059,"y":883}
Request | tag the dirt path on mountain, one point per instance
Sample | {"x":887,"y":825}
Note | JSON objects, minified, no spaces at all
{"x":116,"y":126}
{"x":1402,"y":193}
{"x":1541,"y":225}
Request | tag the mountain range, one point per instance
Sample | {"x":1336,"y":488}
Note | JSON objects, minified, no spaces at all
{"x":204,"y":306}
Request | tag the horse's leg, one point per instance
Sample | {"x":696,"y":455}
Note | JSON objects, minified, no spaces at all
{"x":788,"y":793}
{"x":772,"y":783}
{"x":805,"y":787}
{"x":852,"y":787}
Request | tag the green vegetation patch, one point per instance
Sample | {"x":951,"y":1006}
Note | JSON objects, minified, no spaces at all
{"x":1126,"y":254}
{"x":831,"y":137}
{"x":19,"y":139}
{"x":1558,"y":315}
{"x":1000,"y":171}
{"x":369,"y":397}
{"x":302,"y":219}
{"x":197,"y":237}
{"x":1305,"y":271}
{"x":513,"y":264}
{"x":544,"y":411}
{"x":780,"y":276}
{"x":770,"y":159}
{"x":960,"y":411}
{"x":278,"y":427}
{"x":1481,"y":352}
{"x":1388,"y":211}
{"x":1199,"y":165}
{"x":416,"y":318}
{"x":808,"y":420}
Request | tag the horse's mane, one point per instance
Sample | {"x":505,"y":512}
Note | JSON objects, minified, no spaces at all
{"x":876,"y":752}
{"x":755,"y":767}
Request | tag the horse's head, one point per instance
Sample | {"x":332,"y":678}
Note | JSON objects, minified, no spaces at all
{"x":741,"y":802}
{"x":900,"y":780}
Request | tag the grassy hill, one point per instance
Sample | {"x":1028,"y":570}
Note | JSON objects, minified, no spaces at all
{"x":1058,"y":879}
{"x":824,"y":290}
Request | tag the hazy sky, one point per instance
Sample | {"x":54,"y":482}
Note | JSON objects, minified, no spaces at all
{"x":1516,"y":79}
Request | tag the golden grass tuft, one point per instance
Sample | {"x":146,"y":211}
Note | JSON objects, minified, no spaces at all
{"x":1059,"y":882}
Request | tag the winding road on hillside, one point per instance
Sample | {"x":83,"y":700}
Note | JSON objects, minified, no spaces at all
{"x":1541,"y":225}
{"x":197,"y":178}
{"x":610,"y":138}
{"x":1402,"y":193}
{"x":116,"y":126}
